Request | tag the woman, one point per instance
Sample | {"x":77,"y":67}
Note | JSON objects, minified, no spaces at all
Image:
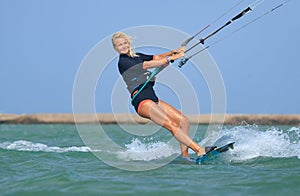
{"x":133,"y":67}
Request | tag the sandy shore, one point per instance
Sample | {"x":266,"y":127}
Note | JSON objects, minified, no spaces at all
{"x":230,"y":119}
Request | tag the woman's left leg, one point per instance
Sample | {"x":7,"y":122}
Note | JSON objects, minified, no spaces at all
{"x":181,"y":119}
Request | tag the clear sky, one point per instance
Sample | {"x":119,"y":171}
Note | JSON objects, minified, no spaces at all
{"x":43,"y":43}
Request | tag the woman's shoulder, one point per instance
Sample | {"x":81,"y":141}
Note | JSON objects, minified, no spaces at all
{"x":142,"y":54}
{"x":145,"y":56}
{"x":137,"y":56}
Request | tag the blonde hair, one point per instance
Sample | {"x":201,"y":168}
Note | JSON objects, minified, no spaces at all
{"x":128,"y":38}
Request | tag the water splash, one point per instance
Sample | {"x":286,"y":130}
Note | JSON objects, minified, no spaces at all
{"x":147,"y":150}
{"x":251,"y":142}
{"x":23,"y":145}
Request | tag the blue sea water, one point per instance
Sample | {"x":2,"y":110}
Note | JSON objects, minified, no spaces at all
{"x":59,"y":160}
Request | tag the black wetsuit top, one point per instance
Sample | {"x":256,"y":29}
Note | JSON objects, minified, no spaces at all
{"x":131,"y":68}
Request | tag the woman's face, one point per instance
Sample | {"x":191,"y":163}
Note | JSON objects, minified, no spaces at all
{"x":122,"y":46}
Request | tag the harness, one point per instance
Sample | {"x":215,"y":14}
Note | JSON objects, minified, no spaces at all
{"x":150,"y":78}
{"x":134,"y":82}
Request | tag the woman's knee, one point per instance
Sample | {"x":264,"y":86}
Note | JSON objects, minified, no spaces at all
{"x":175,"y":125}
{"x":185,"y":121}
{"x":172,"y":126}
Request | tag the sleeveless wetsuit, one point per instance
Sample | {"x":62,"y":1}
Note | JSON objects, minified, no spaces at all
{"x":131,"y":69}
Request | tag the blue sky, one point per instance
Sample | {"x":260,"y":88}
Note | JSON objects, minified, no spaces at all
{"x":44,"y":42}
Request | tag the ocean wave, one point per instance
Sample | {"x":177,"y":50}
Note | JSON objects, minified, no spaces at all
{"x":23,"y":145}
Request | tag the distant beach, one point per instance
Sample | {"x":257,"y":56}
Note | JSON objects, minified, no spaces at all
{"x":230,"y":119}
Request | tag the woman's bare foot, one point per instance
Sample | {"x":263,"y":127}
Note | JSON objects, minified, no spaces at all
{"x":202,"y":151}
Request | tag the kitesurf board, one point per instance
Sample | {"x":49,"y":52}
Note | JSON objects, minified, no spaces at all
{"x":214,"y":153}
{"x":210,"y":155}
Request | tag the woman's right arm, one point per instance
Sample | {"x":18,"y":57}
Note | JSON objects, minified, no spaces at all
{"x":163,"y":59}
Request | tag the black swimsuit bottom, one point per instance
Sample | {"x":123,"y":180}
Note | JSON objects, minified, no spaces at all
{"x":147,"y":93}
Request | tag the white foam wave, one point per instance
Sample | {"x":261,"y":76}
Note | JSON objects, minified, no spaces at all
{"x":251,"y":142}
{"x":139,"y":151}
{"x":23,"y":145}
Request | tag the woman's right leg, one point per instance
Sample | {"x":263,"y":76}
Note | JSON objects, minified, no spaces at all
{"x":152,"y":111}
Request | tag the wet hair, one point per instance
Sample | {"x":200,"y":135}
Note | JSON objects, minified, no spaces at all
{"x":125,"y":36}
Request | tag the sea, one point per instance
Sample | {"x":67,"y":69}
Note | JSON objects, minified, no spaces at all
{"x":127,"y":159}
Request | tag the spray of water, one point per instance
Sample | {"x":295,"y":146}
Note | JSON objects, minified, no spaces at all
{"x":147,"y":150}
{"x":252,"y":142}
